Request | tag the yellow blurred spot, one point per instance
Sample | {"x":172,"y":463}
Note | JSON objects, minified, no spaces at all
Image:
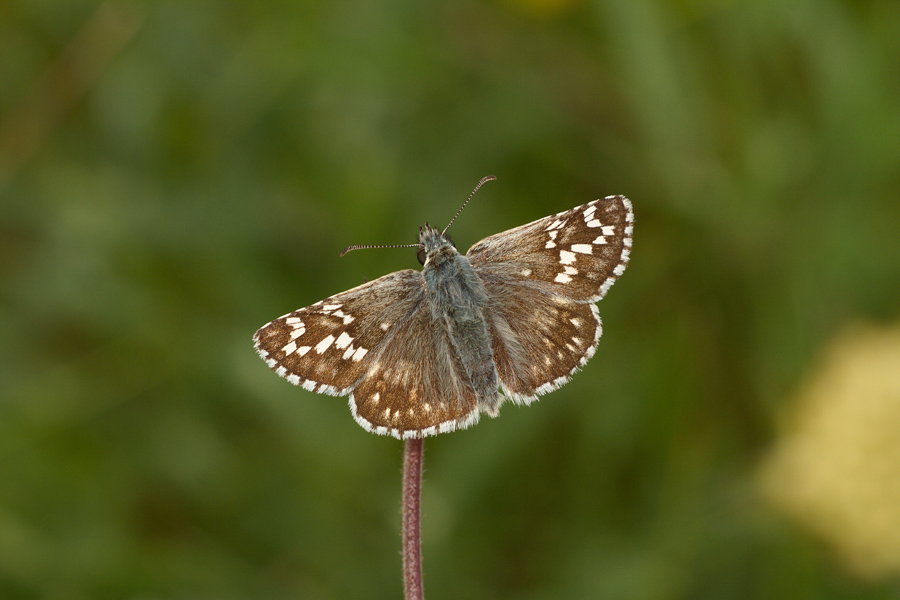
{"x":836,"y":469}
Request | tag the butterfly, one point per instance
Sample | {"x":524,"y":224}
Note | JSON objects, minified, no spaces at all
{"x":426,"y":352}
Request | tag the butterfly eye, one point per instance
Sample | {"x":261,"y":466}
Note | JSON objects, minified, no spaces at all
{"x":421,"y":256}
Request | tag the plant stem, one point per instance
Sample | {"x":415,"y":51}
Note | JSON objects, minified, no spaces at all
{"x":413,"y":453}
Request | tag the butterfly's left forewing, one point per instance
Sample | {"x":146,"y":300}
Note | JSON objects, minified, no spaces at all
{"x":329,"y":346}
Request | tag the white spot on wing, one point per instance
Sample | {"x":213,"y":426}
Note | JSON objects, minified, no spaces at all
{"x":566,"y":257}
{"x":324,"y":344}
{"x":343,"y":340}
{"x":594,"y":223}
{"x":555,"y":225}
{"x":562,"y":278}
{"x":582,"y":248}
{"x":358,"y":355}
{"x":340,"y":314}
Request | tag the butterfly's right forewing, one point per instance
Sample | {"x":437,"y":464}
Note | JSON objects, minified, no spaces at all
{"x":543,"y":279}
{"x":577,"y":254}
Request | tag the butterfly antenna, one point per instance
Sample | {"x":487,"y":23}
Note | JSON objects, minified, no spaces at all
{"x":358,"y":247}
{"x":480,"y":183}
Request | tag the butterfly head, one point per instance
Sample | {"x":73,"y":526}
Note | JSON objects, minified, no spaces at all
{"x":434,"y":246}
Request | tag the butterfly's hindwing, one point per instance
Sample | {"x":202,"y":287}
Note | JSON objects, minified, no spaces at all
{"x":417,"y":385}
{"x":578,"y":253}
{"x":538,"y":340}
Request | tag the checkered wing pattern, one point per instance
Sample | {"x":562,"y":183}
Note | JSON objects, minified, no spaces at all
{"x":543,"y":279}
{"x":577,"y":254}
{"x":375,"y":343}
{"x":421,"y":353}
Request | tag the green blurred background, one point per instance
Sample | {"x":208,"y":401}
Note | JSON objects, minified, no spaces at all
{"x":175,"y":174}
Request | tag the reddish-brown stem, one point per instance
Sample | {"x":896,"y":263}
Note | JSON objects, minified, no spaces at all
{"x":413,"y":452}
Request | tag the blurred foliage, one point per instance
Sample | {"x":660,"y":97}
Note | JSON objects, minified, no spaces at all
{"x":175,"y":174}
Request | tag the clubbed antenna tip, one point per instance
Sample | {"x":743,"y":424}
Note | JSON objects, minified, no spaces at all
{"x":484,"y":180}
